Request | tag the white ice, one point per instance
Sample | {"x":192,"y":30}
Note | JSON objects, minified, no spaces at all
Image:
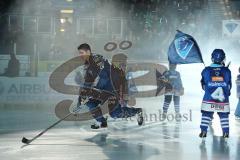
{"x":168,"y":140}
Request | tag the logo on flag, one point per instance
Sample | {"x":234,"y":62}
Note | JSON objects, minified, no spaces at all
{"x":184,"y":50}
{"x":183,"y":46}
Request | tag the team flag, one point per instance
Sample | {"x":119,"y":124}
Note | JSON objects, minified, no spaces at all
{"x":184,"y":50}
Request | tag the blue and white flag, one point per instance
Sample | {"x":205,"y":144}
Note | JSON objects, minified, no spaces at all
{"x":184,"y":50}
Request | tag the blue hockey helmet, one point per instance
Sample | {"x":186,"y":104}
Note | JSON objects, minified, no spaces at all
{"x":218,"y":56}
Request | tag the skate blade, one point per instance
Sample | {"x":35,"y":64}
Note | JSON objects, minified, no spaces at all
{"x":100,"y":130}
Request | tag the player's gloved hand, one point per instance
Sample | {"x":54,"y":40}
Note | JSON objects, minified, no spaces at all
{"x":82,"y":92}
{"x":79,"y":101}
{"x":82,"y":96}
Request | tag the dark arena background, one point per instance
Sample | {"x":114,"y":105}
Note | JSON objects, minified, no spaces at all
{"x":43,"y":72}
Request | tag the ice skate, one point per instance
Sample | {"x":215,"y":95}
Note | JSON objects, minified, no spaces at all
{"x":203,"y":135}
{"x":225,"y":136}
{"x":140,"y":118}
{"x":99,"y":125}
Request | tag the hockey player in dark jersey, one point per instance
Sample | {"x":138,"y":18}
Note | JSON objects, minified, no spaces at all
{"x":174,"y":78}
{"x":98,"y":74}
{"x":120,"y":83}
{"x":92,"y":68}
{"x":216,"y":82}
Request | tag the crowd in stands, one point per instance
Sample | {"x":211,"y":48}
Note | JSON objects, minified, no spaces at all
{"x":150,"y":25}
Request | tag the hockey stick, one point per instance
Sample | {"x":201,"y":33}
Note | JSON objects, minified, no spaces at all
{"x":28,"y":141}
{"x":228,"y":63}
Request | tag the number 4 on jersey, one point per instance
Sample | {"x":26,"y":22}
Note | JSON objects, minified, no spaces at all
{"x":218,"y":94}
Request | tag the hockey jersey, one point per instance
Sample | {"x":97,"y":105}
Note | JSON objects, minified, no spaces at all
{"x":93,"y":69}
{"x":174,"y":78}
{"x":216,"y":82}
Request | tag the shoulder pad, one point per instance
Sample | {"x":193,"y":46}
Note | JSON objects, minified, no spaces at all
{"x":99,"y":60}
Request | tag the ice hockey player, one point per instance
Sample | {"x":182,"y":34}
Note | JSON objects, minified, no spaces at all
{"x":97,"y":75}
{"x":216,"y":82}
{"x":92,"y":68}
{"x":174,"y":78}
{"x":121,"y":85}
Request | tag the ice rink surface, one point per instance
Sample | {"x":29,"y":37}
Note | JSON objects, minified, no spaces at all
{"x":168,"y":140}
{"x":124,"y":139}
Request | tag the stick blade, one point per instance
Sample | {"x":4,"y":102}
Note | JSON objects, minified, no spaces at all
{"x":25,"y":140}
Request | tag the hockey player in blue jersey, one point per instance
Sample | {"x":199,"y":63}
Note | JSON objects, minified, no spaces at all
{"x":237,"y":112}
{"x":174,"y":78}
{"x":97,"y":75}
{"x":216,"y":82}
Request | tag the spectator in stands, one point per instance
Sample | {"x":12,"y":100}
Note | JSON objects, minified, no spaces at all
{"x":13,"y":67}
